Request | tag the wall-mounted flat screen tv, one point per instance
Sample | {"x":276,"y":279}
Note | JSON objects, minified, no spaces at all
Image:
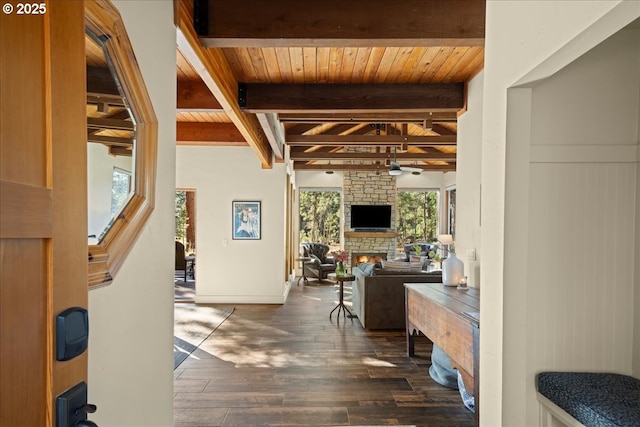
{"x":370,"y":217}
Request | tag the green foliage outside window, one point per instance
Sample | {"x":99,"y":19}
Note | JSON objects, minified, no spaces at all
{"x":417,"y":216}
{"x":181,"y":216}
{"x":120,"y":189}
{"x":320,"y":216}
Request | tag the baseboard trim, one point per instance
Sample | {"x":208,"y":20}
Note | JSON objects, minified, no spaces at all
{"x":240,"y":299}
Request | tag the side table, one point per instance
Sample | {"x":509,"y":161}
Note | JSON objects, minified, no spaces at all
{"x":341,"y":306}
{"x":190,"y":267}
{"x":302,"y":260}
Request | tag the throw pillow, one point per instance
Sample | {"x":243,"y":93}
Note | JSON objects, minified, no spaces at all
{"x":368,"y":269}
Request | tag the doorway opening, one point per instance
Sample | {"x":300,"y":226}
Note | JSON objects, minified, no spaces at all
{"x":185,"y":246}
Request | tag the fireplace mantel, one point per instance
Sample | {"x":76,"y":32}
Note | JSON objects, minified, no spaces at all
{"x":370,"y":234}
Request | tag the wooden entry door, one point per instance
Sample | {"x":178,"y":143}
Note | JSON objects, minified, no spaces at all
{"x":43,"y":210}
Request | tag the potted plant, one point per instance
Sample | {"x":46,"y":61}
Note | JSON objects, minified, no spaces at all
{"x":418,"y":250}
{"x":341,"y":257}
{"x":435,"y":257}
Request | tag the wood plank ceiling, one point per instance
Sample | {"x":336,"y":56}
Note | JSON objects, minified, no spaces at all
{"x":331,"y":85}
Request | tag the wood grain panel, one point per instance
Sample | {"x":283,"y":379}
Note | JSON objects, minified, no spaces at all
{"x":25,"y":334}
{"x":297,"y":64}
{"x":195,"y":95}
{"x":24,"y":311}
{"x":322,"y":65}
{"x":21,"y":137}
{"x":188,"y":133}
{"x":271,"y":58}
{"x":25,"y":211}
{"x":284,"y":64}
{"x":354,"y":65}
{"x":441,"y":57}
{"x":69,"y":147}
{"x":309,"y":64}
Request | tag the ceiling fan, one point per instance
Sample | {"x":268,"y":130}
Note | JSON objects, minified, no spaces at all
{"x":396,"y":169}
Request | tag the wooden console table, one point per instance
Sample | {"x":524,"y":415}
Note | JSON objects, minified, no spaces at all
{"x":449,"y":318}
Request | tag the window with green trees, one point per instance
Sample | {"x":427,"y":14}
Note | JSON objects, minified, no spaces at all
{"x":417,"y":216}
{"x":320,"y":216}
{"x":181,"y":216}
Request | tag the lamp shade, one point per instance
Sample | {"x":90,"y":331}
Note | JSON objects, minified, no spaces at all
{"x":445,"y":239}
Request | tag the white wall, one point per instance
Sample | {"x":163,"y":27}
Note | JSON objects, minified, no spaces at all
{"x":543,"y":38}
{"x":131,"y":338}
{"x":316,"y":179}
{"x":468,"y":180}
{"x":235,"y":271}
{"x":99,"y":182}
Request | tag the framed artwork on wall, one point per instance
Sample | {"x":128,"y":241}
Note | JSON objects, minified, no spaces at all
{"x":246,"y":220}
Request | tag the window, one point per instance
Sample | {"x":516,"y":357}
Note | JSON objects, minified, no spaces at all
{"x":417,"y":216}
{"x":451,"y":212}
{"x":104,"y":27}
{"x":120,"y":189}
{"x":320,"y":216}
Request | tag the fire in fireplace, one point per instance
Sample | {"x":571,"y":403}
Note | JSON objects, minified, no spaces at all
{"x":371,"y":258}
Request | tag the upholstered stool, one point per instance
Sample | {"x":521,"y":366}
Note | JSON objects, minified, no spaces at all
{"x":590,"y":398}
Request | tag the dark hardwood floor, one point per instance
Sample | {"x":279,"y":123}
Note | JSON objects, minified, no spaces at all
{"x":289,"y":365}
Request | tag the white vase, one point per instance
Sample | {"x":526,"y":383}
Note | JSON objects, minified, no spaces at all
{"x":452,"y":270}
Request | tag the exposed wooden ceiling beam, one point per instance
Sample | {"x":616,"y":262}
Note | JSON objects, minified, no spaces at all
{"x":215,"y":72}
{"x":221,"y":134}
{"x":350,"y":98}
{"x":343,"y":128}
{"x":111,"y":140}
{"x":100,"y":98}
{"x":367,"y":167}
{"x":274,"y":131}
{"x":300,"y":128}
{"x":388,"y":117}
{"x":298,"y":155}
{"x":100,"y":80}
{"x":441,"y":130}
{"x":195,"y":96}
{"x":351,"y":140}
{"x":120,"y":151}
{"x":117,"y":124}
{"x":354,"y":23}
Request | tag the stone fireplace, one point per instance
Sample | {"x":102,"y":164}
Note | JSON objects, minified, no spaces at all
{"x":369,"y":188}
{"x":370,"y":258}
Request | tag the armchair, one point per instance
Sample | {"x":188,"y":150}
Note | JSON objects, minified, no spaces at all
{"x":321,"y":264}
{"x":425,"y":248}
{"x":181,"y":263}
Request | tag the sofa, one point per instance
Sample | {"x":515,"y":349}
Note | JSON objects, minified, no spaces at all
{"x":321,"y":264}
{"x":378,"y":294}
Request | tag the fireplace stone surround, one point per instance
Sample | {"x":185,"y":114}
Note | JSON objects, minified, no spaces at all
{"x":369,"y":188}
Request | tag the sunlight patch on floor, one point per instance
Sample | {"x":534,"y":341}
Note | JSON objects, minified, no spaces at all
{"x":377,"y":362}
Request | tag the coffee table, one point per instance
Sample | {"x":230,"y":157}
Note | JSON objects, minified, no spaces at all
{"x":341,"y":306}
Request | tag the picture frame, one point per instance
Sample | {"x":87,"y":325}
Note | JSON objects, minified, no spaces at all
{"x":246,"y":220}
